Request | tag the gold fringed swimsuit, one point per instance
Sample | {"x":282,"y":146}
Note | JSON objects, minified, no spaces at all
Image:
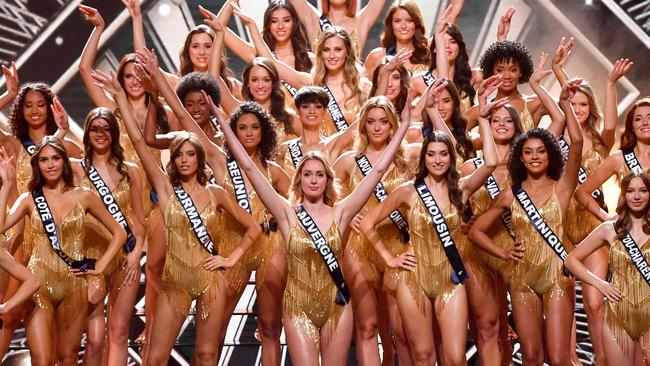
{"x":526,"y":118}
{"x":327,"y":127}
{"x":580,"y":221}
{"x":60,"y":289}
{"x":184,"y":277}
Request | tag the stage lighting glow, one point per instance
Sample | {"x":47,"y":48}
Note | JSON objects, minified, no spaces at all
{"x":164,"y":10}
{"x":58,"y":40}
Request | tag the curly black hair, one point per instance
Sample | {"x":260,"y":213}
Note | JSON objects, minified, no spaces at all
{"x":269,"y":142}
{"x":17,"y":122}
{"x":197,"y":81}
{"x":516,"y":168}
{"x":506,"y":51}
{"x":463,"y":71}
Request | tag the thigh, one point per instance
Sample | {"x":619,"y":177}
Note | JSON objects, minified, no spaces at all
{"x":41,"y":333}
{"x":618,"y":345}
{"x":482,"y":294}
{"x":451,"y":315}
{"x":528,"y":314}
{"x":303,"y":339}
{"x":69,"y":331}
{"x":558,"y":313}
{"x":271,"y":291}
{"x":164,"y":332}
{"x":121,"y":300}
{"x":364,"y":298}
{"x":418,"y":325}
{"x":335,"y":345}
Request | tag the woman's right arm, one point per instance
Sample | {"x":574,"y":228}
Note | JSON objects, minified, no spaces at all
{"x":596,"y":179}
{"x":21,"y":205}
{"x":12,"y":83}
{"x":133,"y":6}
{"x":309,"y":17}
{"x":601,"y":236}
{"x":30,"y":284}
{"x":560,"y":58}
{"x":88,"y":58}
{"x":610,"y":116}
{"x":238,"y":46}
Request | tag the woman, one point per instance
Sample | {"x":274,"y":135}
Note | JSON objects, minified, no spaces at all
{"x":336,"y":70}
{"x":403,"y":28}
{"x":317,"y":326}
{"x":256,"y":131}
{"x":191,"y":258}
{"x":118,"y":183}
{"x":61,"y":265}
{"x":371,"y":301}
{"x":596,"y":147}
{"x":391,"y":78}
{"x":542,"y":294}
{"x":339,"y":13}
{"x":626,"y":329}
{"x":427,"y":290}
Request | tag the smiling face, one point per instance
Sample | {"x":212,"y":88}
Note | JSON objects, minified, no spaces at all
{"x":311,"y":114}
{"x":394,"y":85}
{"x":249,"y":131}
{"x":35,"y":109}
{"x":281,"y":25}
{"x":580,"y":104}
{"x":641,"y":123}
{"x":260,"y":84}
{"x":445,"y":105}
{"x":637,"y":195}
{"x":377,"y":126}
{"x":199,"y":51}
{"x":451,"y":47}
{"x":313,"y":180}
{"x":132,"y":85}
{"x":334,"y":53}
{"x":403,"y":25}
{"x":437,"y":159}
{"x":100,"y":134}
{"x":50,"y":163}
{"x":534,"y":155}
{"x":197,"y":107}
{"x":502,"y":126}
{"x":186,"y":161}
{"x":510,"y":74}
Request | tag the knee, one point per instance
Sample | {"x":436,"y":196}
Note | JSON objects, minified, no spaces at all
{"x":559,"y":357}
{"x":95,"y":345}
{"x":488,"y":329}
{"x":424,"y":355}
{"x":532,"y":355}
{"x":269,"y":327}
{"x":455,"y":358}
{"x":40,"y":360}
{"x":118,"y":333}
{"x":67,"y":358}
{"x":593,"y":305}
{"x":206,"y":356}
{"x":366,"y":329}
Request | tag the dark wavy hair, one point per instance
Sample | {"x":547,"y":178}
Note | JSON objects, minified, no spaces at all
{"x":405,"y":79}
{"x":421,"y":53}
{"x":623,"y":223}
{"x":17,"y":122}
{"x":197,"y":81}
{"x":278,"y":106}
{"x":202,"y":173}
{"x":516,"y":167}
{"x":462,"y":69}
{"x":117,"y":152}
{"x":452,"y":177}
{"x":298,"y":39}
{"x":37,"y":181}
{"x":628,"y":138}
{"x":269,"y":142}
{"x":505,"y":51}
{"x":458,"y":126}
{"x":514,"y":115}
{"x":186,"y":65}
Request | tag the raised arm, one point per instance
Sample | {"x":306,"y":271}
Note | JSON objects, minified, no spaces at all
{"x":564,"y":50}
{"x":133,"y":6}
{"x":549,"y":105}
{"x":309,"y":17}
{"x":388,"y":69}
{"x":88,"y":56}
{"x":350,"y":205}
{"x":431,"y":97}
{"x":277,"y":205}
{"x":504,"y":24}
{"x":21,"y":205}
{"x":238,"y":46}
{"x":29,"y":283}
{"x":569,"y":180}
{"x":12,"y":83}
{"x":596,"y":179}
{"x":366,"y":18}
{"x":621,"y":68}
{"x":442,"y":61}
{"x":601,"y":236}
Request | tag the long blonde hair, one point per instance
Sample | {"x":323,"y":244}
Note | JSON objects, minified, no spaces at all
{"x":331,"y":187}
{"x":351,"y":70}
{"x":361,"y":141}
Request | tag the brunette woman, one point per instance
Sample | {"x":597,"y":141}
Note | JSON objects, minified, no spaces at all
{"x":542,"y":293}
{"x":626,"y":329}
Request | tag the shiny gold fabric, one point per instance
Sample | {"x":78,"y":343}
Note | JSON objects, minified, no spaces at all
{"x":580,"y":221}
{"x":310,"y":290}
{"x":432,"y":275}
{"x":481,"y":202}
{"x":372,"y":265}
{"x":23,"y":170}
{"x":541,"y":268}
{"x":526,"y":118}
{"x":465,"y":103}
{"x":184,"y":277}
{"x":97,"y":236}
{"x":327,"y":127}
{"x":59,"y":287}
{"x":630,"y":315}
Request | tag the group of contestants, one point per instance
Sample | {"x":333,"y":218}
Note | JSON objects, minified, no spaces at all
{"x":408,"y":198}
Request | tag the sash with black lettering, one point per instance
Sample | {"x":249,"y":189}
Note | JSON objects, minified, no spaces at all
{"x":111,"y":205}
{"x":294,"y":152}
{"x":335,"y":111}
{"x":428,"y":78}
{"x":380,"y":194}
{"x":324,"y":22}
{"x":493,"y":190}
{"x":322,"y":247}
{"x":29,"y":145}
{"x":582,"y":173}
{"x":545,"y":231}
{"x":290,"y":88}
{"x":238,"y":184}
{"x":192,"y":213}
{"x":640,"y":262}
{"x":49,"y":225}
{"x":631,"y":161}
{"x":442,"y":229}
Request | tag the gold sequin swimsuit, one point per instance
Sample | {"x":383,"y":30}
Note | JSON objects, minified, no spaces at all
{"x":526,"y":118}
{"x":580,"y":221}
{"x":327,"y":127}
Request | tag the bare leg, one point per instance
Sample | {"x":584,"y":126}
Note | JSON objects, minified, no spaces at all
{"x":163,"y":334}
{"x":403,"y":349}
{"x":418,"y":325}
{"x":558,"y":324}
{"x":120,"y":310}
{"x":269,"y":301}
{"x":504,"y":338}
{"x":452,"y":320}
{"x":334,"y":348}
{"x":69,"y":335}
{"x":528,"y":314}
{"x":618,"y":354}
{"x":206,"y":351}
{"x":153,"y":267}
{"x":41,"y":334}
{"x":96,"y":335}
{"x":485,"y":311}
{"x":597,"y":263}
{"x":302,"y":339}
{"x":384,"y":329}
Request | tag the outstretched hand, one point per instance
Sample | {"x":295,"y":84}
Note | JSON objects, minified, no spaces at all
{"x":7,"y":170}
{"x":60,"y":115}
{"x":433,"y":92}
{"x":108,"y":83}
{"x":400,"y":58}
{"x":211,"y":20}
{"x":564,"y":50}
{"x":504,"y":24}
{"x":620,"y":68}
{"x":540,"y":73}
{"x":444,"y":20}
{"x":245,"y":18}
{"x":11,"y":79}
{"x":488,"y":86}
{"x":92,"y":16}
{"x":570,"y":88}
{"x":133,"y":6}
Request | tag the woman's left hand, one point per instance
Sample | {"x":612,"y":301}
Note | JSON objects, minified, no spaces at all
{"x":216,"y":262}
{"x":131,"y":268}
{"x":60,"y":115}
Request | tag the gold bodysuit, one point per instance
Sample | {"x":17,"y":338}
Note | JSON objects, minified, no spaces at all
{"x":60,"y":289}
{"x":310,"y":293}
{"x":23,"y":176}
{"x":184,"y":277}
{"x":432,"y":275}
{"x":259,"y":255}
{"x":372,"y":265}
{"x":541,"y":268}
{"x":97,"y":236}
{"x":631,"y":314}
{"x":526,"y":118}
{"x":481,"y":202}
{"x":580,"y":221}
{"x":327,"y":127}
